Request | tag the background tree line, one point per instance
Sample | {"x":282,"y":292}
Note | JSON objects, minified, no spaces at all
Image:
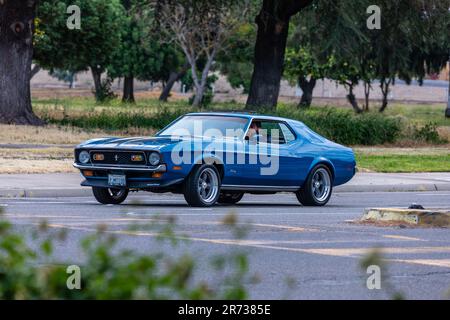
{"x":254,"y":43}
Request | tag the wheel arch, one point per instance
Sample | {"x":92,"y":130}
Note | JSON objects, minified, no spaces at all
{"x":212,"y":160}
{"x":325,"y":162}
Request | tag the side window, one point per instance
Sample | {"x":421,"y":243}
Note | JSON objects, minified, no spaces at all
{"x":287,"y":132}
{"x":271,"y":132}
{"x":274,"y":132}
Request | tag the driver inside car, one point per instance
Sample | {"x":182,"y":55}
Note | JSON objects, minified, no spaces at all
{"x":253,"y":131}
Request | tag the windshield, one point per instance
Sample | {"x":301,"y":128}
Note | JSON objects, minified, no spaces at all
{"x":207,"y":126}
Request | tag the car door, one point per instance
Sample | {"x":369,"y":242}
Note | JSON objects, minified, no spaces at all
{"x":271,"y":161}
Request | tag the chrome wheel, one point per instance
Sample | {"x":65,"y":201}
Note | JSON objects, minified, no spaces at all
{"x":110,"y":195}
{"x":116,"y":193}
{"x":208,"y":185}
{"x":321,"y":185}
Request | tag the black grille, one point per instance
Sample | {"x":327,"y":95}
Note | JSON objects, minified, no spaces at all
{"x":118,"y":158}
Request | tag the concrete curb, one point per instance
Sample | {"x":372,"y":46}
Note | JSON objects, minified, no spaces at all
{"x":394,"y":188}
{"x":433,"y":218}
{"x":83,"y":191}
{"x":45,"y":193}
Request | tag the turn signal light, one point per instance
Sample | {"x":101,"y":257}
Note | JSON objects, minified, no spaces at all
{"x":88,"y":173}
{"x":176,"y":168}
{"x":137,"y":157}
{"x":157,"y":175}
{"x":98,"y":157}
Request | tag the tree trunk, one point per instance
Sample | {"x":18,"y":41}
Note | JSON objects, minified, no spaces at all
{"x":174,"y":77}
{"x":97,"y":76}
{"x":366,"y":96}
{"x":384,"y":85}
{"x":199,"y":93}
{"x":128,"y":90}
{"x":352,"y":99}
{"x":269,"y":59}
{"x":273,"y":28}
{"x":72,"y":81}
{"x":200,"y":85}
{"x":16,"y":53}
{"x":307,"y":88}
{"x":447,"y":111}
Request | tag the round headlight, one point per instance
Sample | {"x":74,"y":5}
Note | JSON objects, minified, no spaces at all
{"x":154,"y":159}
{"x":84,"y":157}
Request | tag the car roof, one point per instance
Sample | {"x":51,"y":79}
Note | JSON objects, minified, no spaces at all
{"x":239,"y":115}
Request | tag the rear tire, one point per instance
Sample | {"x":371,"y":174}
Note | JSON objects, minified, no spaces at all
{"x":318,"y":187}
{"x":110,"y":195}
{"x":202,"y":186}
{"x":230,"y":197}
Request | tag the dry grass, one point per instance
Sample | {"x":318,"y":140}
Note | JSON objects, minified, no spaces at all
{"x":43,"y":160}
{"x":21,"y":166}
{"x":12,"y":134}
{"x":58,"y":157}
{"x":63,"y":93}
{"x":444,"y":132}
{"x":37,"y":154}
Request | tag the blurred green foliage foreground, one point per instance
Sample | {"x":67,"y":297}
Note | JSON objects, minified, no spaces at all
{"x":108,"y":272}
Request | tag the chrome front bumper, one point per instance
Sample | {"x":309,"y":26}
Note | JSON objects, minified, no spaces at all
{"x":160,"y":168}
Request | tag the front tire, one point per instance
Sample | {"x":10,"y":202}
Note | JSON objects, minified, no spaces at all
{"x":230,"y":197}
{"x":202,"y":187}
{"x":317,"y":188}
{"x":110,"y":195}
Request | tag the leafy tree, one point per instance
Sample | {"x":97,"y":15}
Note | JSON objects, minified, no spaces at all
{"x":327,"y":41}
{"x":200,"y":29}
{"x":91,"y":48}
{"x":141,"y":53}
{"x":409,"y":44}
{"x":16,"y":53}
{"x":236,"y":63}
{"x":302,"y":68}
{"x":172,"y":74}
{"x":64,"y":75}
{"x":172,"y":65}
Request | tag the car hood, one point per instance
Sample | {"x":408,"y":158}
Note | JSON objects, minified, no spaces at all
{"x":130,"y":143}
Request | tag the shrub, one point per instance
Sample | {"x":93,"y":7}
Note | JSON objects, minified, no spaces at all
{"x":341,"y":126}
{"x":110,"y":273}
{"x":345,"y":127}
{"x":428,"y":133}
{"x":111,"y":121}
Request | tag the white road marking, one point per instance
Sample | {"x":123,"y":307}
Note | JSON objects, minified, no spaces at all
{"x":45,"y":202}
{"x":397,"y":237}
{"x":336,"y":252}
{"x":445,"y":263}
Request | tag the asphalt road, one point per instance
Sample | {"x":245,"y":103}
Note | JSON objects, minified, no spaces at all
{"x":296,"y":252}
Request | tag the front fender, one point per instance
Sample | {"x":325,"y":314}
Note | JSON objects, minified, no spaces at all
{"x":208,"y":158}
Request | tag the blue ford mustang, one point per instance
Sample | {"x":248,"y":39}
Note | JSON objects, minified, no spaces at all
{"x":217,"y":157}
